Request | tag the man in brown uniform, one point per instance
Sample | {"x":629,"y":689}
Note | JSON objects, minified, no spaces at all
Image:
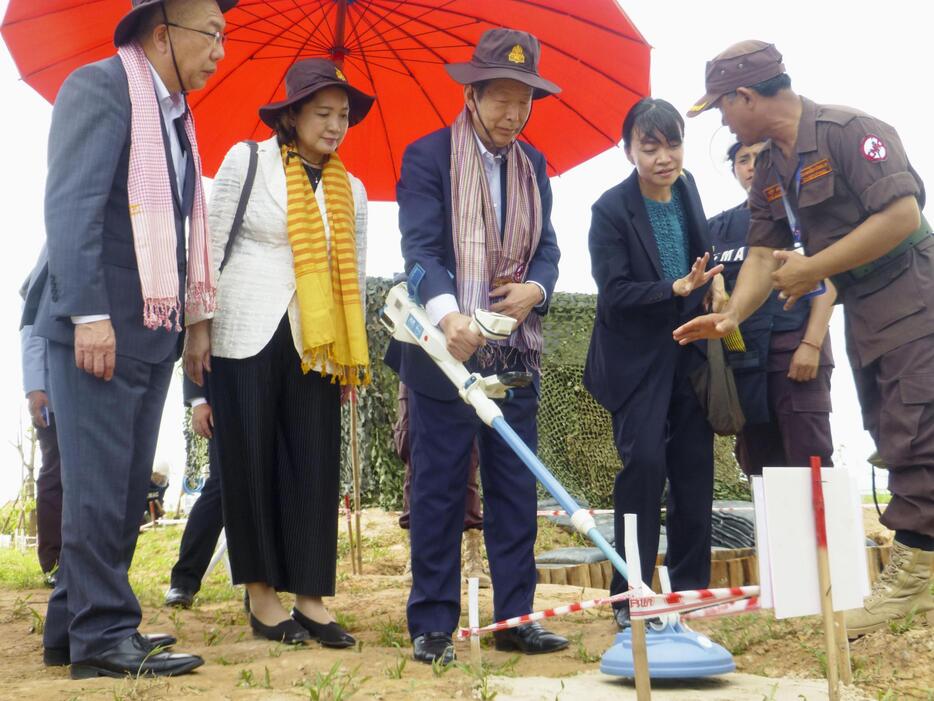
{"x":839,"y":181}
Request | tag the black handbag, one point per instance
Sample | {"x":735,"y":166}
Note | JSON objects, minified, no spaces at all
{"x":715,"y":387}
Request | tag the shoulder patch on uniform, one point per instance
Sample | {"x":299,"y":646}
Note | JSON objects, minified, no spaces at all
{"x":772,"y":193}
{"x":816,"y":170}
{"x":873,"y":149}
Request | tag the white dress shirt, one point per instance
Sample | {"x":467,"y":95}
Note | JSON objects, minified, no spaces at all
{"x":440,"y":306}
{"x":172,"y":106}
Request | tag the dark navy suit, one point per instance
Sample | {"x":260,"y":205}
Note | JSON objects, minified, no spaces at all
{"x":107,"y":430}
{"x":442,"y":427}
{"x":641,"y":376}
{"x":206,"y":518}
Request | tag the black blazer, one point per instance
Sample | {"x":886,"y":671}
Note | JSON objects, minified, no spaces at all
{"x":636,"y":307}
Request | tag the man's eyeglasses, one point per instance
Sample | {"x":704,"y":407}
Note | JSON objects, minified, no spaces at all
{"x":218,"y":37}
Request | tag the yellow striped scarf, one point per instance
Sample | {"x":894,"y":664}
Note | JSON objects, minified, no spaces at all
{"x":333,"y":331}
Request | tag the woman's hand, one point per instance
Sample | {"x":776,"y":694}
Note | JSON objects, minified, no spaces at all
{"x":697,"y":277}
{"x":347,"y":391}
{"x":196,"y":355}
{"x":717,"y":297}
{"x":804,"y":363}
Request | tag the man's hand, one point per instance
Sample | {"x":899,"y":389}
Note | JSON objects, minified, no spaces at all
{"x":696,"y":277}
{"x":707,"y":326}
{"x":96,"y":348}
{"x":518,"y":299}
{"x":347,"y":392}
{"x":804,"y":364}
{"x":37,"y":400}
{"x":202,"y":420}
{"x":196,"y":356}
{"x":461,"y":341}
{"x":795,"y":277}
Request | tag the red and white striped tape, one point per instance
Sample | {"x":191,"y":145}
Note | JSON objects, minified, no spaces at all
{"x":658,"y":604}
{"x":731,"y":609}
{"x":464,"y":633}
{"x":639,"y":606}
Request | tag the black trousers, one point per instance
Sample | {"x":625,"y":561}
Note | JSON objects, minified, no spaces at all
{"x":49,"y":498}
{"x":661,"y":432}
{"x":277,"y":440}
{"x":201,"y":532}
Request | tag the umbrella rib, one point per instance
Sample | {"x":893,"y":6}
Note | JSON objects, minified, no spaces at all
{"x":411,"y":19}
{"x":557,"y":49}
{"x":258,"y":19}
{"x":206,"y":92}
{"x":379,"y":107}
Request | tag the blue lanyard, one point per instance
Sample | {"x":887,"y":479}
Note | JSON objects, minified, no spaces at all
{"x":795,"y":226}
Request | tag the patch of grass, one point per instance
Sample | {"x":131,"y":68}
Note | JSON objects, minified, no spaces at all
{"x":581,"y":652}
{"x":336,"y":685}
{"x":247,"y":679}
{"x":347,"y":621}
{"x":551,"y":537}
{"x":20,"y":570}
{"x":395,"y":670}
{"x":391,"y":633}
{"x":903,"y":625}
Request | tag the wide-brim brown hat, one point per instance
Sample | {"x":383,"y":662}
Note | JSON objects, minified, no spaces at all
{"x":126,"y":27}
{"x":308,"y":76}
{"x":738,"y":66}
{"x":504,"y":53}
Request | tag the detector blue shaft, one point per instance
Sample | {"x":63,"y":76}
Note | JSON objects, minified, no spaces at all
{"x":554,"y":487}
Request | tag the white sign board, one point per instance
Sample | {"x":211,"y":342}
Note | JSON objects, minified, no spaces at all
{"x":787,"y":541}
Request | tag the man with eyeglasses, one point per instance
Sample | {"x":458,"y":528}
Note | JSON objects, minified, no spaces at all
{"x":128,"y":252}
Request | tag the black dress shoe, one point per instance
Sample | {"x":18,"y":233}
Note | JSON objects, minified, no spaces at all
{"x":288,"y":631}
{"x":530,"y":639}
{"x":134,"y":656}
{"x":329,"y":634}
{"x":179,"y":597}
{"x":61,"y":656}
{"x":431,"y":647}
{"x":621,"y":615}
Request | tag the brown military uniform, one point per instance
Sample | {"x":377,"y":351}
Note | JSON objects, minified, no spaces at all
{"x":852,"y":166}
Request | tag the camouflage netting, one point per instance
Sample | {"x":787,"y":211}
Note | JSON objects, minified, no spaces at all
{"x":575,"y":433}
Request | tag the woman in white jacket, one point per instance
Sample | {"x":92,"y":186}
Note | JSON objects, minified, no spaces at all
{"x":286,"y":343}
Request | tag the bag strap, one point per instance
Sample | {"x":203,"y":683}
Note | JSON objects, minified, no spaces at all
{"x":244,"y":198}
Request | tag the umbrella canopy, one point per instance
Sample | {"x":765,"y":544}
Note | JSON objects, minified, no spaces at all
{"x":393,"y":50}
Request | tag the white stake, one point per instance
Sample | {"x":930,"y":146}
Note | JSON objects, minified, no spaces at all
{"x":640,"y":655}
{"x":473,"y":618}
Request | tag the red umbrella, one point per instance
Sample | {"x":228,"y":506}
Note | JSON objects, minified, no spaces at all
{"x":394,"y":50}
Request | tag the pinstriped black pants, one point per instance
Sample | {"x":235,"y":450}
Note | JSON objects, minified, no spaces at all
{"x":277,"y":435}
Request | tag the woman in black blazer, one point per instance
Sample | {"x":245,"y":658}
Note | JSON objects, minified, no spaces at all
{"x":644,"y":235}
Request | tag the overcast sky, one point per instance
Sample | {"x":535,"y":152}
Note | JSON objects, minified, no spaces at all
{"x":870,"y":55}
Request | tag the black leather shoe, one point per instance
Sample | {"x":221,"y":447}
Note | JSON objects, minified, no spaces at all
{"x":329,"y":635}
{"x":134,"y":656}
{"x":288,"y":631}
{"x":60,"y":656}
{"x":179,"y":597}
{"x":621,"y":615}
{"x":430,"y":647}
{"x":530,"y":639}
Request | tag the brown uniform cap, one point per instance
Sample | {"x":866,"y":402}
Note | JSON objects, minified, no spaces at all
{"x":741,"y":65}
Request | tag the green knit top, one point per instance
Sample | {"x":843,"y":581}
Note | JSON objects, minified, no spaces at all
{"x":669,"y":224}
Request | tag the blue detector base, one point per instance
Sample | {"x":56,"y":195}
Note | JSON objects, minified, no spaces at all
{"x":675,"y":652}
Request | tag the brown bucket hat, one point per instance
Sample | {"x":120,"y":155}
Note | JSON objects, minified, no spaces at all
{"x":504,"y":53}
{"x":310,"y":75}
{"x":126,"y":27}
{"x":739,"y":66}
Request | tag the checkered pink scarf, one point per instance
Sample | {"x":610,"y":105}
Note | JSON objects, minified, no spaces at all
{"x":151,"y":211}
{"x":481,"y":256}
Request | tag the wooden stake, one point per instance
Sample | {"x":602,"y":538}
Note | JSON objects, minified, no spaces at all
{"x":823,"y":577}
{"x":353,"y":555}
{"x":640,"y":654}
{"x":843,"y":647}
{"x":473,"y":619}
{"x":355,"y":468}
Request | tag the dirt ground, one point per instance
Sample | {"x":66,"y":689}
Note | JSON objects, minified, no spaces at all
{"x":775,"y":659}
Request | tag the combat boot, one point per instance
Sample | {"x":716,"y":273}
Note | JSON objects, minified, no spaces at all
{"x":903,"y":588}
{"x":472,"y":563}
